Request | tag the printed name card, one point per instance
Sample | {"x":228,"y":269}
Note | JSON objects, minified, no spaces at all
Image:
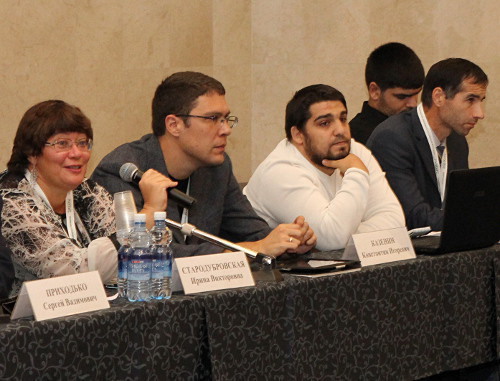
{"x":214,"y":272}
{"x":381,"y":247}
{"x":61,"y":296}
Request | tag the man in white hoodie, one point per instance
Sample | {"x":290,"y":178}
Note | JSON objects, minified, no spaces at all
{"x":320,"y":173}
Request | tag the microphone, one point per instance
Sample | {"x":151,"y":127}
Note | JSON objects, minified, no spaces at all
{"x":265,"y":269}
{"x":131,"y":174}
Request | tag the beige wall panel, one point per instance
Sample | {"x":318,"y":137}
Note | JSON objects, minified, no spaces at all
{"x":236,"y":80}
{"x":306,"y":32}
{"x":191,"y":32}
{"x":109,"y":56}
{"x":232,"y":32}
{"x":37,"y":43}
{"x":232,"y":56}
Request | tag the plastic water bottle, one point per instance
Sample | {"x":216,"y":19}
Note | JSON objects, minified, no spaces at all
{"x":123,"y":254}
{"x":162,"y":257}
{"x":139,"y":262}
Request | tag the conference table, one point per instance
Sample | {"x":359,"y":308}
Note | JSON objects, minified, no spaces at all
{"x":401,"y":320}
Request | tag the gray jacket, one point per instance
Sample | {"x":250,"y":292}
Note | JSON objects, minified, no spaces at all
{"x":221,"y":209}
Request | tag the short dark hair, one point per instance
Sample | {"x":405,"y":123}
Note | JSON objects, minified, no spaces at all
{"x":297,"y":110}
{"x":394,"y":65}
{"x":177,"y":94}
{"x":38,"y":124}
{"x":449,"y":74}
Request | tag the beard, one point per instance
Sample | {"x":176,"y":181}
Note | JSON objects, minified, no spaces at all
{"x":317,"y":157}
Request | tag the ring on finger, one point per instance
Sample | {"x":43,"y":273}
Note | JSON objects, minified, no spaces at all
{"x":290,"y":239}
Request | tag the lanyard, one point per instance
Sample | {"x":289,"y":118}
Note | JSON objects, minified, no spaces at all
{"x":440,"y":168}
{"x":185,"y":211}
{"x":72,"y":218}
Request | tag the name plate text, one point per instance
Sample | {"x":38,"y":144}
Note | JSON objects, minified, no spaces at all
{"x":61,"y":296}
{"x":382,"y":246}
{"x":214,"y":272}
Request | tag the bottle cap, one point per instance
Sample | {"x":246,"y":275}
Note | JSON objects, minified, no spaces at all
{"x":139,"y":218}
{"x":160,"y":216}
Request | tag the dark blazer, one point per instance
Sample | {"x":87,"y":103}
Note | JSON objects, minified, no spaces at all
{"x":401,"y":148}
{"x":6,"y":267}
{"x":221,"y":209}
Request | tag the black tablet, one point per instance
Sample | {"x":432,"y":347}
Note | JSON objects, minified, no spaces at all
{"x":315,"y":262}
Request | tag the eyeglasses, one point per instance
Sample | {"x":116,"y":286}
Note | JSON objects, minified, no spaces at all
{"x":231,"y":120}
{"x":65,"y":145}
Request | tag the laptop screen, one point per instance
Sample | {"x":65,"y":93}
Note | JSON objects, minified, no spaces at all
{"x":472,"y":209}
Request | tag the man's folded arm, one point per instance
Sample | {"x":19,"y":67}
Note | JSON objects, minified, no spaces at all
{"x":293,"y":193}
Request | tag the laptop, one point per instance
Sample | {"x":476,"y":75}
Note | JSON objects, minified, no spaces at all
{"x":471,"y":213}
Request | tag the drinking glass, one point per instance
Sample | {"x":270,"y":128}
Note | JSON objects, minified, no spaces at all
{"x":125,"y":210}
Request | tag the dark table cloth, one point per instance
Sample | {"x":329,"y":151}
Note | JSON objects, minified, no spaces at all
{"x":404,"y":320}
{"x":130,"y":341}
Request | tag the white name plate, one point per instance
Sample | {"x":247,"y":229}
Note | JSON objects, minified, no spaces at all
{"x":381,"y":246}
{"x":214,"y":272}
{"x":61,"y":296}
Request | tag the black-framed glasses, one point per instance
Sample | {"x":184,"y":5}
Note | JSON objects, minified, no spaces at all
{"x":65,"y":145}
{"x":231,"y":120}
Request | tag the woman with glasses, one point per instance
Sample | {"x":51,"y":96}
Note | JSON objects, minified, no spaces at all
{"x":55,"y":221}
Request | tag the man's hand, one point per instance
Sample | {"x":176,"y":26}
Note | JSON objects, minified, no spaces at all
{"x":286,"y":238}
{"x":308,"y":237}
{"x":153,"y":187}
{"x":350,"y":161}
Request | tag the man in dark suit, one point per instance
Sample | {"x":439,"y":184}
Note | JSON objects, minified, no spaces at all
{"x":417,"y":149}
{"x":394,"y":76}
{"x":6,"y":267}
{"x":191,"y":123}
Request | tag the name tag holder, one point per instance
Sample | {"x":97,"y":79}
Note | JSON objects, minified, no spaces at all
{"x":60,"y":296}
{"x":378,"y":247}
{"x":211,"y":272}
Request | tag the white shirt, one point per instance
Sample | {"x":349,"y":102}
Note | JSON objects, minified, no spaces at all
{"x":286,"y":185}
{"x":440,"y":161}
